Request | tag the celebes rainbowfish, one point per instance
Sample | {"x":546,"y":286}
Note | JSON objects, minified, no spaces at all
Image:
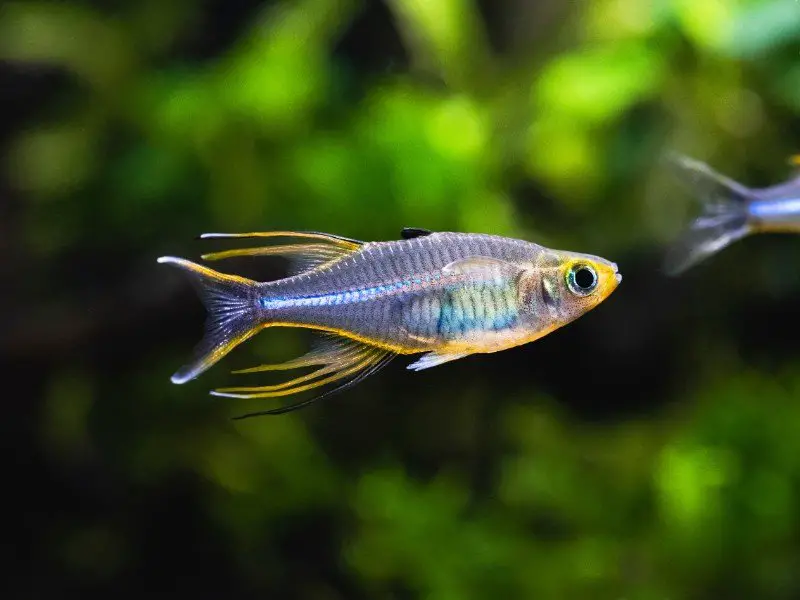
{"x":447,"y":295}
{"x":730,"y":212}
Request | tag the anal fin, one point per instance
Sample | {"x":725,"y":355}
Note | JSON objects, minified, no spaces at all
{"x":330,"y":350}
{"x":346,"y":363}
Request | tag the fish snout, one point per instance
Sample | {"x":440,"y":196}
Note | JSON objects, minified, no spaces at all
{"x":617,"y":274}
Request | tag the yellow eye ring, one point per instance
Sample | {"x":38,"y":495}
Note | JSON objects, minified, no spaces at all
{"x":582,"y":279}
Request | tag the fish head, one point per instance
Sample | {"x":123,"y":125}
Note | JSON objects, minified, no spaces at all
{"x":561,"y":285}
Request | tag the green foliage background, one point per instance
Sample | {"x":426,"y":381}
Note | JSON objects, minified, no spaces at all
{"x":649,"y":451}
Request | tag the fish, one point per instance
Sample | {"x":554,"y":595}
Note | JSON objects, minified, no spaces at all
{"x":730,"y":211}
{"x":444,"y":295}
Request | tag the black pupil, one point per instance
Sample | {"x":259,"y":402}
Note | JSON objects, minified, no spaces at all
{"x":584,"y":278}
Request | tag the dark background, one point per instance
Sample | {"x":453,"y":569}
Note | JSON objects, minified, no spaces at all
{"x":649,"y":450}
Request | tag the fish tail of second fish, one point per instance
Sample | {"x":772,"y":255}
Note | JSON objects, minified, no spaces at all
{"x":724,"y":219}
{"x":233,"y":316}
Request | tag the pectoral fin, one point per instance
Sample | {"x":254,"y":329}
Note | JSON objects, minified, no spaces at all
{"x":433,"y":359}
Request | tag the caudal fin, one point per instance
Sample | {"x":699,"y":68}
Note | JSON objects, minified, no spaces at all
{"x":232,"y":314}
{"x":724,"y":218}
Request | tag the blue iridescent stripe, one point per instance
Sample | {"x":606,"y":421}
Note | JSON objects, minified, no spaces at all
{"x":338,"y":298}
{"x":766,"y":209}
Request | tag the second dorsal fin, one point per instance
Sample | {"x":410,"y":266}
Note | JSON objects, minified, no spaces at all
{"x":324,"y":250}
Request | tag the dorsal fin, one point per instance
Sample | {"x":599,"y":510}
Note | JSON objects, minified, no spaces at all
{"x":317,"y":235}
{"x":324,"y":251}
{"x":410,"y":233}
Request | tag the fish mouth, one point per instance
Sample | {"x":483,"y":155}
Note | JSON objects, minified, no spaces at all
{"x":617,"y":274}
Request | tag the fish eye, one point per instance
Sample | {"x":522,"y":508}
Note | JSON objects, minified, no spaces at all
{"x":582,"y":279}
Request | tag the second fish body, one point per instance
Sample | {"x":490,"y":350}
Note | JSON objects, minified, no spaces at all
{"x":730,"y":212}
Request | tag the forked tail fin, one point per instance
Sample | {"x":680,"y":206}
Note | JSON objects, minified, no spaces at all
{"x":724,"y":218}
{"x":232,"y":314}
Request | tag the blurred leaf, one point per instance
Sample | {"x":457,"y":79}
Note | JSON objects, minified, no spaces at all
{"x":598,"y":83}
{"x":787,"y":87}
{"x":419,"y":533}
{"x":763,"y":27}
{"x":277,"y":73}
{"x":53,"y":33}
{"x":444,"y":37}
{"x":564,"y":154}
{"x":52,"y":161}
{"x":182,"y":109}
{"x":708,"y":23}
{"x":620,"y":19}
{"x":688,"y":479}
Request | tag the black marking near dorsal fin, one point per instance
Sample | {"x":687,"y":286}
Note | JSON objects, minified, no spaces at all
{"x":410,"y":233}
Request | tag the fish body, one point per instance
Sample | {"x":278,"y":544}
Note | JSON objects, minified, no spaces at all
{"x":447,"y":295}
{"x":730,"y":211}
